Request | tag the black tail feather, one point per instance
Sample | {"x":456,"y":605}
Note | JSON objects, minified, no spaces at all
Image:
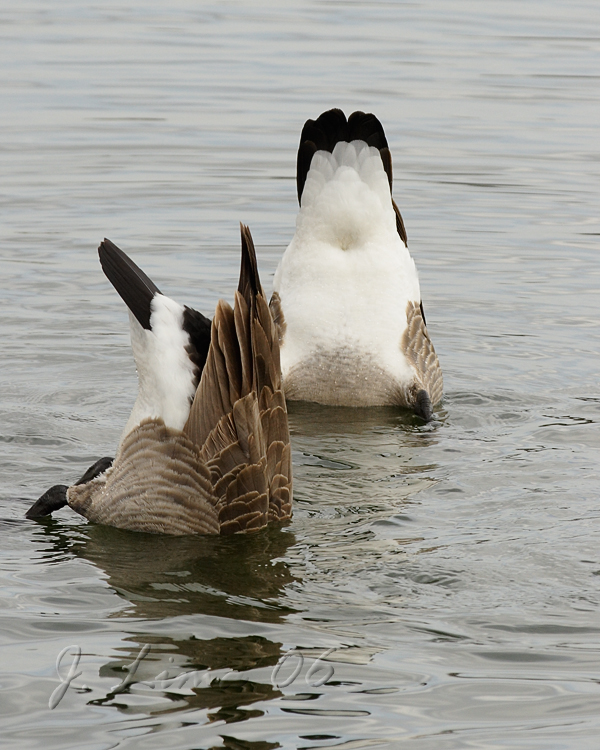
{"x":137,"y":291}
{"x":249,"y":285}
{"x":332,"y":127}
{"x":132,"y":284}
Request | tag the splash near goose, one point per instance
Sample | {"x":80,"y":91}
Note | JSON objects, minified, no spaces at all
{"x":206,"y":449}
{"x":346,"y":298}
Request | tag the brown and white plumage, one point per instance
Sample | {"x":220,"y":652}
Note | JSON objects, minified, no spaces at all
{"x":222,"y":464}
{"x":346,"y":298}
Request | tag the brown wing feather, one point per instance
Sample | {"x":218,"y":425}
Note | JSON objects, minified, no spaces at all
{"x":220,"y":384}
{"x":400,"y":224}
{"x":242,"y":430}
{"x":273,"y":413}
{"x":417,"y":346}
{"x":267,"y":344}
{"x":243,"y":330}
{"x":277,"y":315}
{"x":279,"y":454}
{"x":229,"y":470}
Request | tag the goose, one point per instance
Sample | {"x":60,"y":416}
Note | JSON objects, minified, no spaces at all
{"x":346,"y":297}
{"x":206,"y":449}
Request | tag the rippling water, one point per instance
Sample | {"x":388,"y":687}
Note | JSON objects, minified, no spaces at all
{"x":454,"y":567}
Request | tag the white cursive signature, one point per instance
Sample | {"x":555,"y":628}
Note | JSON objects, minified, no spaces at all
{"x":185,"y":680}
{"x":59,"y":692}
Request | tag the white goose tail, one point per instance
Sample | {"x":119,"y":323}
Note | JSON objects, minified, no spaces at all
{"x":347,"y":291}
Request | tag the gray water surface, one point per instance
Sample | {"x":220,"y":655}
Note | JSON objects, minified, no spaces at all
{"x":453,"y":568}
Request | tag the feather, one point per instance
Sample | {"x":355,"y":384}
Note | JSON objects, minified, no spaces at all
{"x":207,"y":468}
{"x":346,"y":281}
{"x":133,"y":286}
{"x":417,"y":346}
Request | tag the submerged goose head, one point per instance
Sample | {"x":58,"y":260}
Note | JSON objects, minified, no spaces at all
{"x":346,"y":294}
{"x":206,"y":447}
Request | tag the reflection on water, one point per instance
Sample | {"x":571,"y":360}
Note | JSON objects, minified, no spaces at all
{"x":314,"y":420}
{"x":190,"y":675}
{"x":383,"y":445}
{"x":167,"y":577}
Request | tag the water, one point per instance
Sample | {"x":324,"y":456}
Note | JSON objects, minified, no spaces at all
{"x":453,"y":567}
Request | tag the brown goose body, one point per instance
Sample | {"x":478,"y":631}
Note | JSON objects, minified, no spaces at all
{"x":225,"y":465}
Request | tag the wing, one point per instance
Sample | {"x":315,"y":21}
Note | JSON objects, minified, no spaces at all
{"x":278,"y":316}
{"x":419,"y":351}
{"x":238,"y":416}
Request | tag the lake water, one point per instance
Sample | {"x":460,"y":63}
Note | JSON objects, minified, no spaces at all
{"x":453,"y":568}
